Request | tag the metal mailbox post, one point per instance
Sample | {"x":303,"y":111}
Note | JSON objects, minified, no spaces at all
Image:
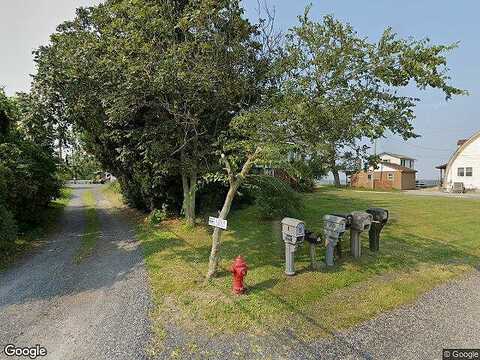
{"x":293,"y":234}
{"x":348,"y":218}
{"x":361,"y":221}
{"x":334,"y":227}
{"x":314,"y":241}
{"x":380,"y":218}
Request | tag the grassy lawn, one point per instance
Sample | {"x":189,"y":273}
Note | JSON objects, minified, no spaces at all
{"x":428,"y":241}
{"x":33,"y":236}
{"x":92,"y":227}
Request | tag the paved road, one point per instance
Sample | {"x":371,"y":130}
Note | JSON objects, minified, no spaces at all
{"x":468,"y":195}
{"x":95,"y":310}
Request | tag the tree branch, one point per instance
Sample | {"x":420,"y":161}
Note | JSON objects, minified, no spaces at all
{"x":231,"y":176}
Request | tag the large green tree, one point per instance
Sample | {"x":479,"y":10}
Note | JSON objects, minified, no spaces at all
{"x":354,"y":86}
{"x":152,"y":84}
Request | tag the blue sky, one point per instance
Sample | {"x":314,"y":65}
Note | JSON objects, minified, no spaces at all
{"x":26,"y":24}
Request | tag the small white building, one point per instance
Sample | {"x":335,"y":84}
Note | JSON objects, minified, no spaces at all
{"x":464,"y":165}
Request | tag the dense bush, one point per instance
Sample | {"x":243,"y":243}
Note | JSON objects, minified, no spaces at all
{"x":274,"y":197}
{"x":145,"y":191}
{"x":29,"y":175}
{"x":28,"y":180}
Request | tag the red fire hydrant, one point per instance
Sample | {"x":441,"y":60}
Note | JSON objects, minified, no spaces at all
{"x":239,"y":270}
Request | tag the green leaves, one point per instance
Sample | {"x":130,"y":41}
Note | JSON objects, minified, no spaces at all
{"x":156,"y":80}
{"x":346,"y":88}
{"x":28,"y":179}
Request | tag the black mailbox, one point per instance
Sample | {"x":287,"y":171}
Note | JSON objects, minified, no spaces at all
{"x":349,"y":219}
{"x":380,"y":218}
{"x":314,"y":241}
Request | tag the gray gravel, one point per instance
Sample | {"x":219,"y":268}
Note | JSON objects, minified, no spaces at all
{"x":447,"y":317}
{"x":98,"y":309}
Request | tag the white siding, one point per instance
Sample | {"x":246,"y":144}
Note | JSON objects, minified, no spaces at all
{"x":468,"y":157}
{"x":383,"y":167}
{"x":392,"y":159}
{"x":395,"y":160}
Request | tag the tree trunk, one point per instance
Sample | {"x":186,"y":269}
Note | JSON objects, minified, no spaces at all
{"x":336,"y":177}
{"x":333,"y":165}
{"x":60,"y":149}
{"x":189,"y":184}
{"x":217,"y":232}
{"x":189,"y":192}
{"x":235,"y":182}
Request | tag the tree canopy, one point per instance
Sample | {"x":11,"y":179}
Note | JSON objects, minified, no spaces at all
{"x":349,"y":87}
{"x":152,"y":84}
{"x":28,"y":180}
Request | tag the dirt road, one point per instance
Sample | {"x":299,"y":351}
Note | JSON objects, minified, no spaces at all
{"x":97,"y":309}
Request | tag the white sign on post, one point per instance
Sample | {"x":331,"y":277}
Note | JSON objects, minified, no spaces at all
{"x":216,"y":222}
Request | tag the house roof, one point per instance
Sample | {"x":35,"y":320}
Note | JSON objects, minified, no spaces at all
{"x":398,"y":156}
{"x":460,"y":150}
{"x":397,"y":167}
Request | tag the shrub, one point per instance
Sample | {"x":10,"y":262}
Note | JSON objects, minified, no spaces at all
{"x":28,"y":180}
{"x":8,"y":231}
{"x":274,"y":197}
{"x":29,"y":175}
{"x":157,"y":216}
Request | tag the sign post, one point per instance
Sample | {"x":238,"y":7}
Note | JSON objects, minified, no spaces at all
{"x":216,"y":222}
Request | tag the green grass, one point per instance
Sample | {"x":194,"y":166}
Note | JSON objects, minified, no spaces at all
{"x":428,"y":241}
{"x":92,"y":228}
{"x":113,"y":194}
{"x":34,"y":235}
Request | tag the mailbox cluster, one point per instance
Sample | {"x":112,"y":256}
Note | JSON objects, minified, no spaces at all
{"x":334,"y":227}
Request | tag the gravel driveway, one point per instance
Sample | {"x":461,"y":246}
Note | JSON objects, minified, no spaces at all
{"x":447,"y":317}
{"x":95,"y":310}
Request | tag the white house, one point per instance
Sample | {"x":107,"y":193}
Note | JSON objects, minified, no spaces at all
{"x":463,"y":166}
{"x":401,"y":160}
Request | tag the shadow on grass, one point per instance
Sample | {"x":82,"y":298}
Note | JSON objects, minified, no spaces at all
{"x":157,"y":245}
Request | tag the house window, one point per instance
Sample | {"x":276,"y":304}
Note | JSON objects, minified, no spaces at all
{"x":369,"y":176}
{"x":390,"y":176}
{"x":468,"y":171}
{"x":461,"y":171}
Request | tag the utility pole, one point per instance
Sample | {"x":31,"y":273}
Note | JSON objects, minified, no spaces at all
{"x":374,"y":153}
